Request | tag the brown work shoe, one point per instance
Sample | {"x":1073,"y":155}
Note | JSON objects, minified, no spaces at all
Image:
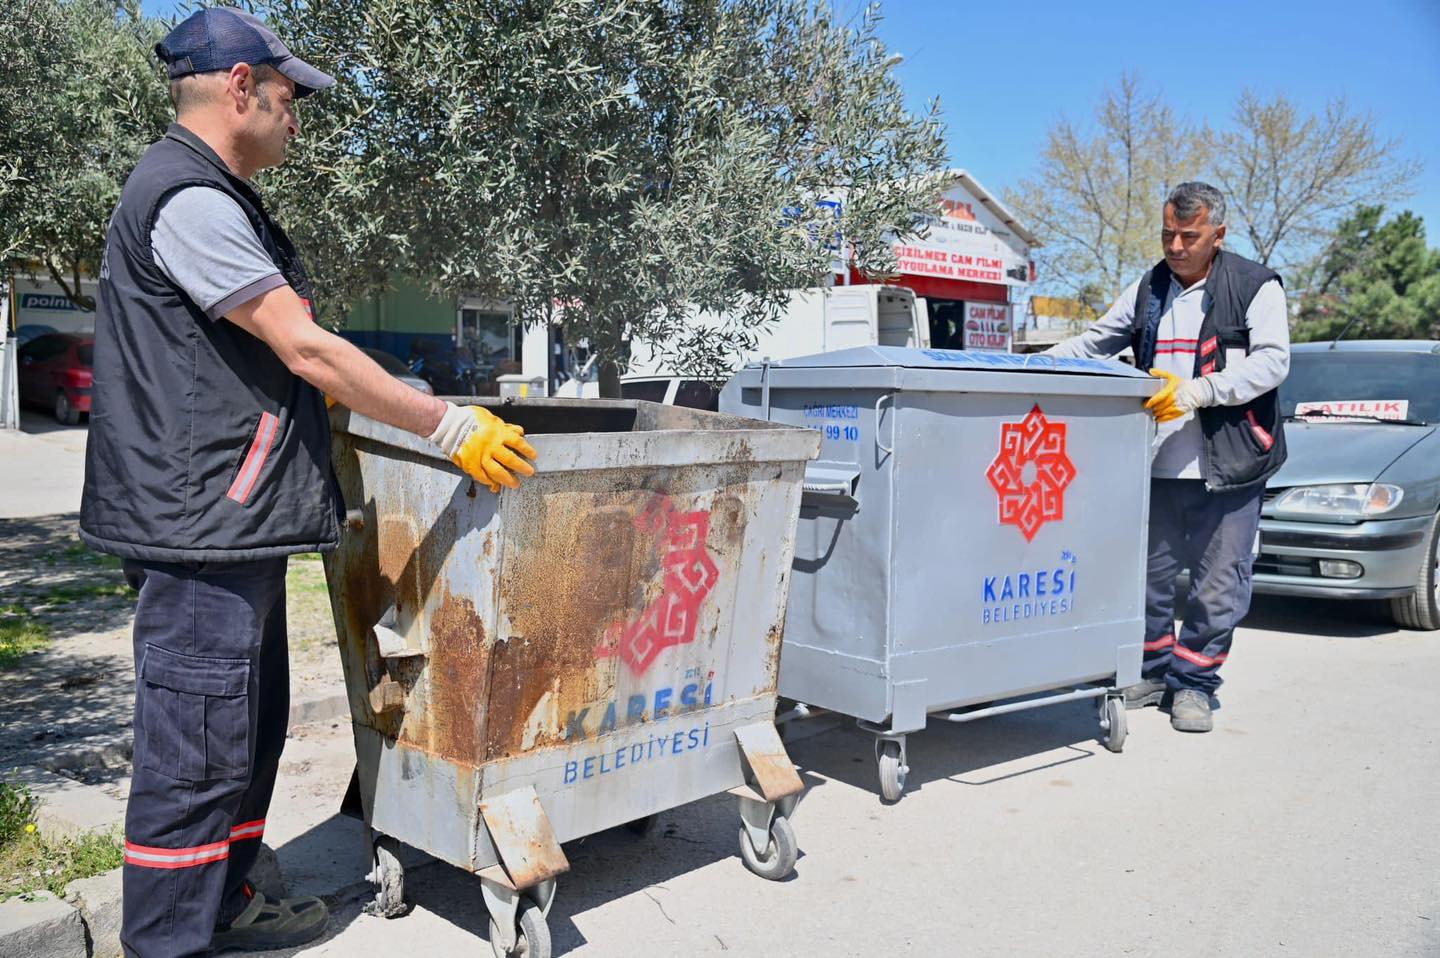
{"x":1190,"y":711}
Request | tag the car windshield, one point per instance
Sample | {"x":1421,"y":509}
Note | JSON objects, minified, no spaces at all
{"x":1340,"y":384}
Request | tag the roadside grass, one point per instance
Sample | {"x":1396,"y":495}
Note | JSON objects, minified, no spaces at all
{"x":20,"y":634}
{"x":17,"y":812}
{"x":311,"y":622}
{"x":30,"y":861}
{"x":67,"y":588}
{"x":61,"y":594}
{"x":78,"y":551}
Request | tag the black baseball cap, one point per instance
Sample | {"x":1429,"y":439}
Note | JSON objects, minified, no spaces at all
{"x":219,"y":38}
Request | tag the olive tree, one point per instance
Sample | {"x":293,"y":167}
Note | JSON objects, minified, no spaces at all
{"x":80,"y":99}
{"x":613,"y":166}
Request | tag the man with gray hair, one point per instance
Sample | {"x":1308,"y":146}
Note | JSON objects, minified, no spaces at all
{"x":1214,"y":326}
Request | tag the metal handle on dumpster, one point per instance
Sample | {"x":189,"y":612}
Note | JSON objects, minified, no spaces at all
{"x":830,"y":483}
{"x":888,"y":450}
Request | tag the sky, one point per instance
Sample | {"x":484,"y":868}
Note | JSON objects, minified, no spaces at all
{"x":1005,"y":72}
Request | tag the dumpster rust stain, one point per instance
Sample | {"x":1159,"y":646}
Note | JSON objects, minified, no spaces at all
{"x":449,"y":720}
{"x":396,"y":544}
{"x":558,"y":599}
{"x":452,"y":725}
{"x":398,"y":567}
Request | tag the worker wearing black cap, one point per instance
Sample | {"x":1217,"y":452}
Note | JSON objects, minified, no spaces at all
{"x":208,"y":464}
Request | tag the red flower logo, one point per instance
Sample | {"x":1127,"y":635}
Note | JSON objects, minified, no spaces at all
{"x":690,"y":574}
{"x":1031,"y":472}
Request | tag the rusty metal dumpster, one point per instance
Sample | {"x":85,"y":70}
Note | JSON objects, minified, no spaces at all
{"x":584,"y":652}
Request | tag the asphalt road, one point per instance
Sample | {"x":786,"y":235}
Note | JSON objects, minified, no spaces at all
{"x":1305,"y":825}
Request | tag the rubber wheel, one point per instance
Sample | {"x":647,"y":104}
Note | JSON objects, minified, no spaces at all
{"x":1113,"y":724}
{"x":892,"y":772}
{"x":1421,"y":609}
{"x":780,"y":855}
{"x":389,"y":900}
{"x":534,"y":940}
{"x":65,"y":413}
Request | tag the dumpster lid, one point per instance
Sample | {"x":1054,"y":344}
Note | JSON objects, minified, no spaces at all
{"x":875,"y":356}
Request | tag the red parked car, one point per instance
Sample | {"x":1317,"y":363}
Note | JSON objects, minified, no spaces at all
{"x":55,"y":373}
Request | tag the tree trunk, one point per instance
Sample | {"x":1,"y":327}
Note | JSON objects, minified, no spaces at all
{"x":609,"y":380}
{"x":609,"y":369}
{"x":74,"y":294}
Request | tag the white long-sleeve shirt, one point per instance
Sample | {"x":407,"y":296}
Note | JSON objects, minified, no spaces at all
{"x":1180,"y":441}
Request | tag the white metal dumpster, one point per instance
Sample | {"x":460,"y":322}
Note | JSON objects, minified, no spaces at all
{"x":973,"y":530}
{"x":586,"y":651}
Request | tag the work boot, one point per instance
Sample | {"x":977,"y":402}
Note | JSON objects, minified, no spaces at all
{"x":267,"y":925}
{"x":1143,"y":693}
{"x":1190,"y":711}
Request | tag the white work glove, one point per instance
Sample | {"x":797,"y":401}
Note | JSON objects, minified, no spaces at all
{"x":1192,"y":394}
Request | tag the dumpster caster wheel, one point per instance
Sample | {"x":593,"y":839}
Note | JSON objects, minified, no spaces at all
{"x":389,"y":878}
{"x":534,"y":935}
{"x":780,"y":855}
{"x":892,"y":770}
{"x":1113,"y":723}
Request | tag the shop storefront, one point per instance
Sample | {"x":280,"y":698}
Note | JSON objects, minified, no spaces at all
{"x":972,"y":269}
{"x":43,"y":306}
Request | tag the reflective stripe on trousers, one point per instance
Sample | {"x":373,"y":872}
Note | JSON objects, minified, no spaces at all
{"x":1211,"y":534}
{"x":212,"y":701}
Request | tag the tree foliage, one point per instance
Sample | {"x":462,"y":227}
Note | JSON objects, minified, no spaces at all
{"x":1095,"y":198}
{"x":1288,"y":176}
{"x":1376,"y":279}
{"x":80,"y":99}
{"x":615,"y":164}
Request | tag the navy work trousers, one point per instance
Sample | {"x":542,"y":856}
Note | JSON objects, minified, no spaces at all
{"x":212,"y":702}
{"x":1213,"y":535}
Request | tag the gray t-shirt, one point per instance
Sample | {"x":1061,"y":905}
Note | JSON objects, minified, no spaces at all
{"x":204,"y":243}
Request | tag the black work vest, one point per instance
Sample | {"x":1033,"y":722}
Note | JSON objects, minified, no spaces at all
{"x":1243,"y":445}
{"x":203,"y":446}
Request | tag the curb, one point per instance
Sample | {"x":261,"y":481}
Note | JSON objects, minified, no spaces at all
{"x":42,"y":927}
{"x":320,"y":708}
{"x":97,"y":902}
{"x":118,"y":752}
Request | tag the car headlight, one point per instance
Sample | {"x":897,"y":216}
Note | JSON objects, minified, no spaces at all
{"x":1345,"y":500}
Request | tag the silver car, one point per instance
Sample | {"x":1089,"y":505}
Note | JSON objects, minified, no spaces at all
{"x":1353,"y":512}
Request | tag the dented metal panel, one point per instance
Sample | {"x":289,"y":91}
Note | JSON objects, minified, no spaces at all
{"x":597,"y":635}
{"x":523,"y":839}
{"x":771,"y":770}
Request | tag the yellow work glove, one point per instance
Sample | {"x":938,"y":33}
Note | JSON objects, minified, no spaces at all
{"x":487,"y":447}
{"x":1178,"y":397}
{"x":1162,"y":404}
